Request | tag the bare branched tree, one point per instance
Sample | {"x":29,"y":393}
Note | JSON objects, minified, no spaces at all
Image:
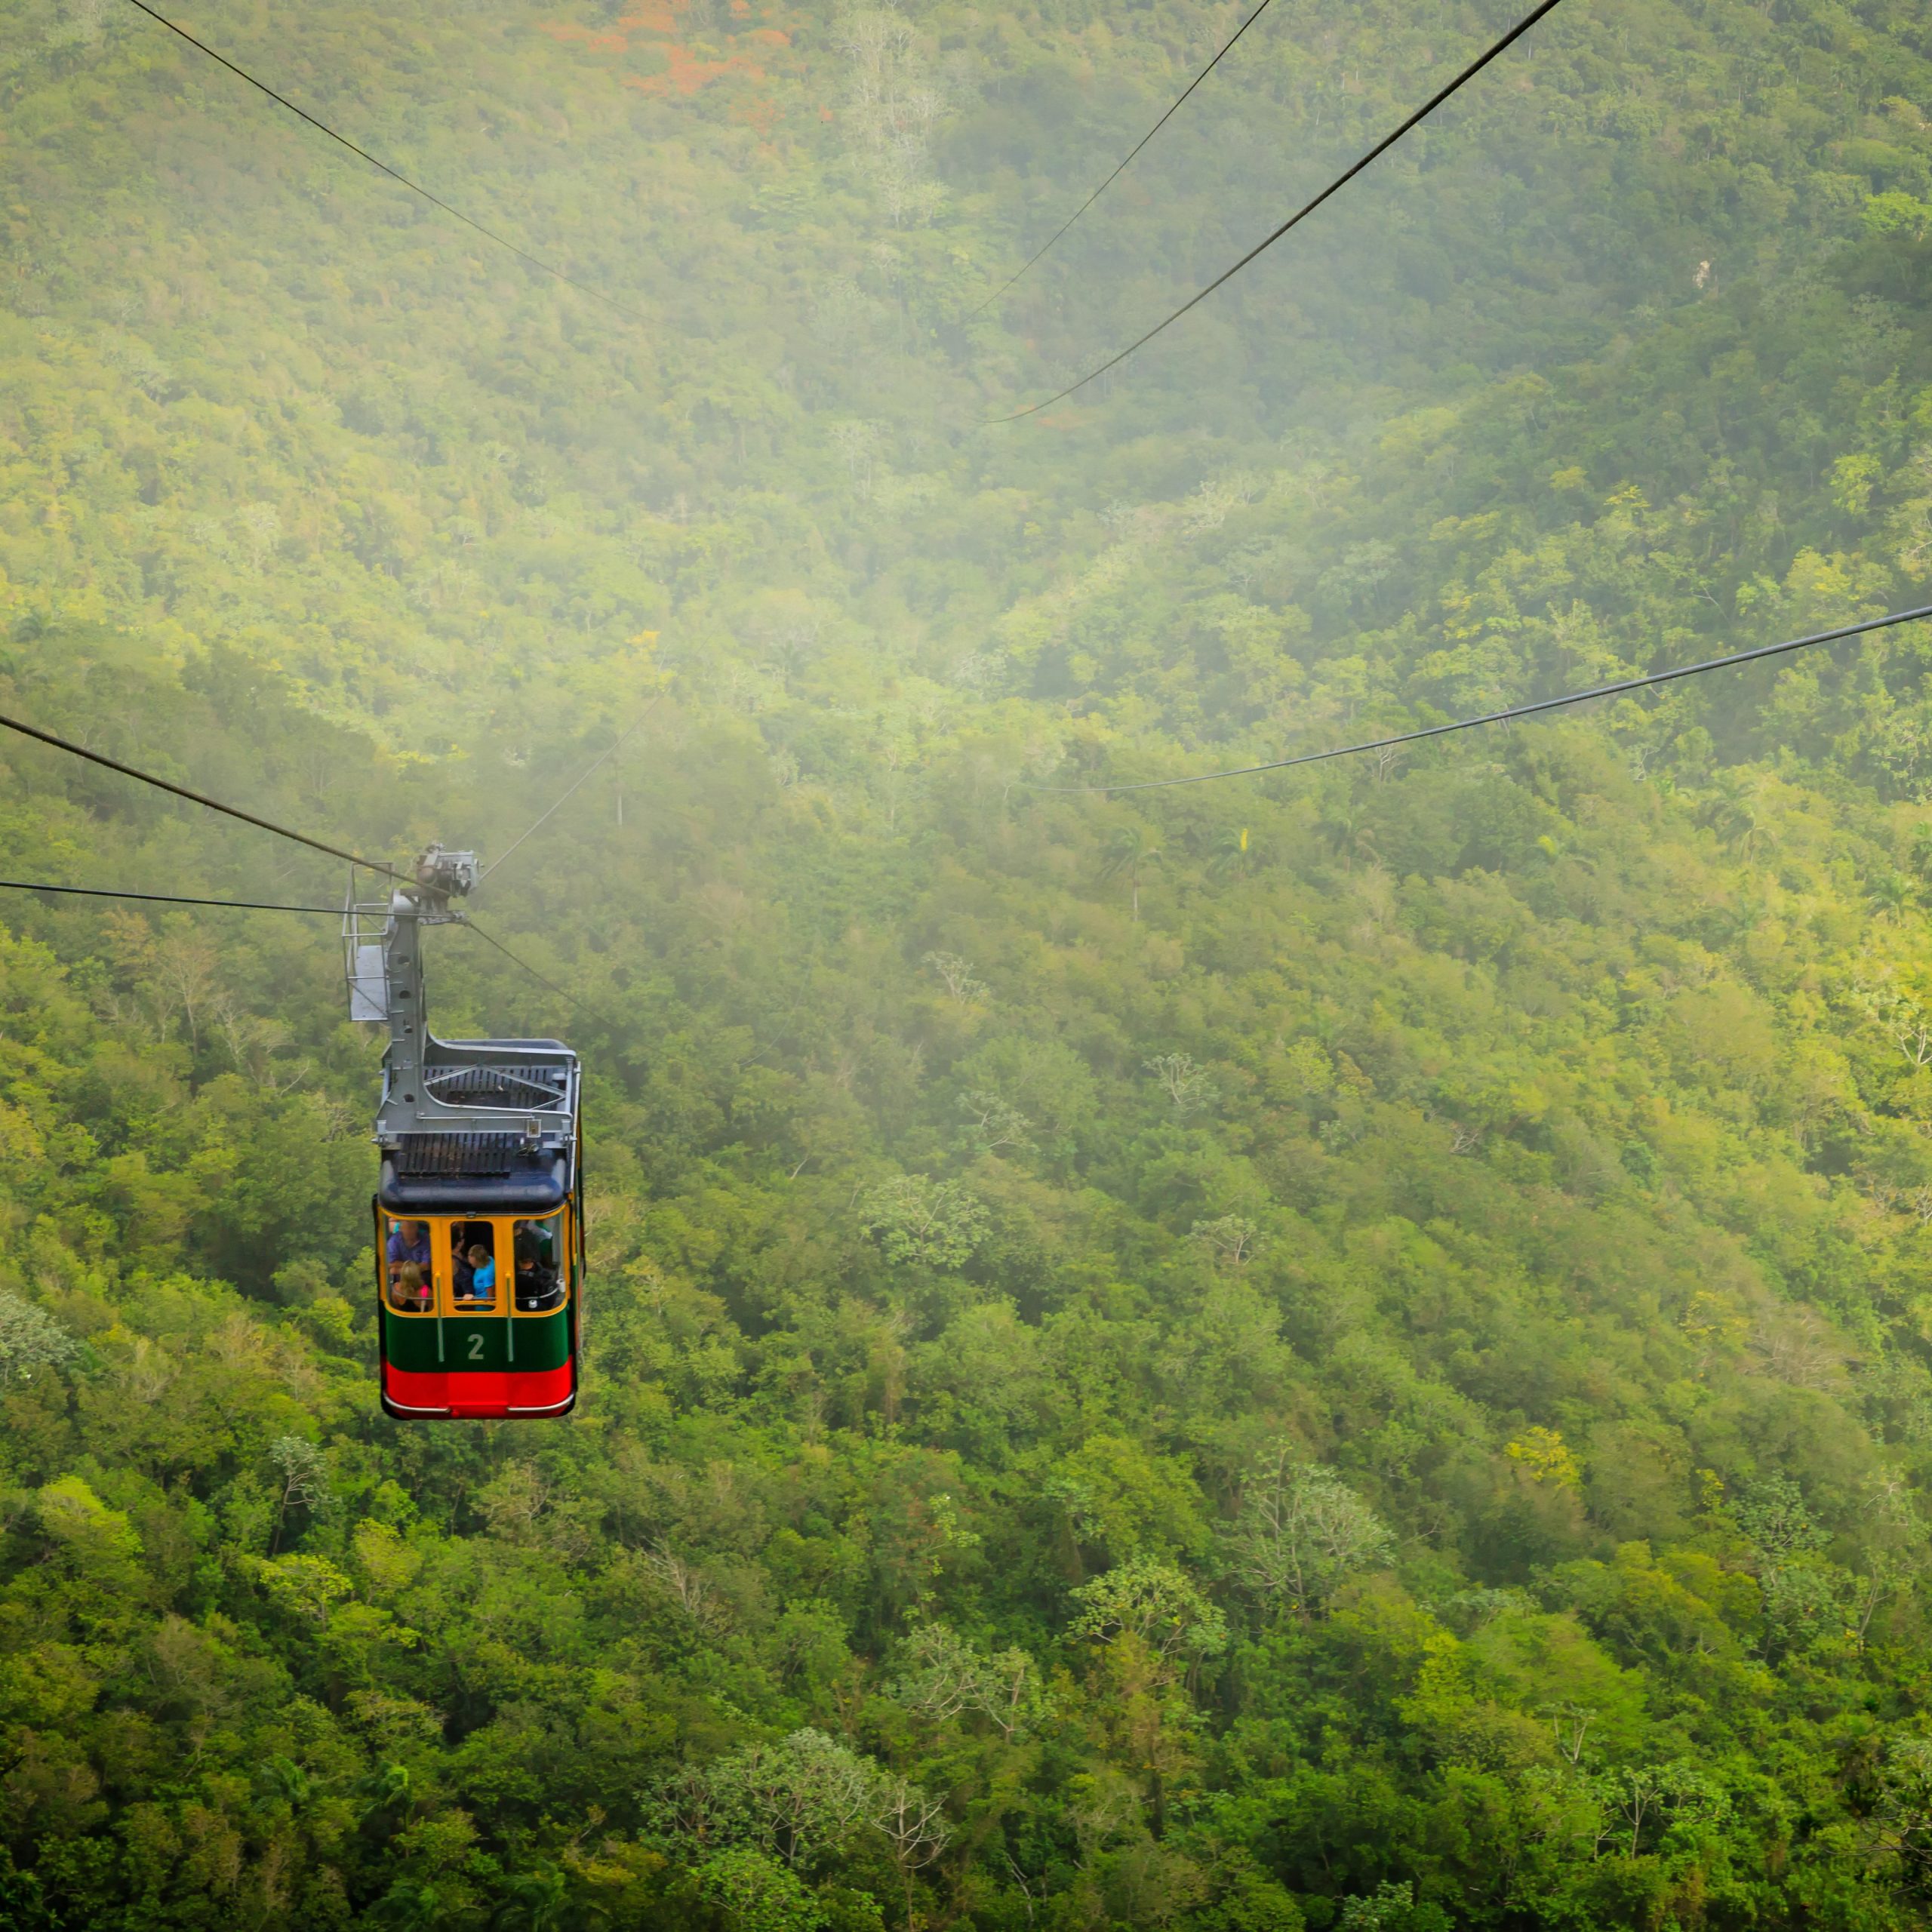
{"x":955,"y":974}
{"x":1231,"y":1236}
{"x":1185,"y":1082}
{"x":996,"y":1123}
{"x":684,"y":1583}
{"x":947,"y":1678}
{"x":1302,"y":1531}
{"x":304,"y":1471}
{"x":914,"y":1827}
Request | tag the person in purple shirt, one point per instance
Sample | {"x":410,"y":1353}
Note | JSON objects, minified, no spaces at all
{"x":409,"y":1240}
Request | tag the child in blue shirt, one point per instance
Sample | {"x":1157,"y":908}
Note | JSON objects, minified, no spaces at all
{"x":483,"y":1274}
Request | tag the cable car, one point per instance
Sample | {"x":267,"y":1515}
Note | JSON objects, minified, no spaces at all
{"x":478,"y":1209}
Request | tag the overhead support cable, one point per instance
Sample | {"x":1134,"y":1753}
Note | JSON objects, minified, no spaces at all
{"x":590,"y":770}
{"x":470,"y":925}
{"x":262,"y":906}
{"x":163,"y":898}
{"x":1541,"y":705}
{"x":414,"y":187}
{"x":34,"y":731}
{"x":1341,"y":181}
{"x":1227,"y":47}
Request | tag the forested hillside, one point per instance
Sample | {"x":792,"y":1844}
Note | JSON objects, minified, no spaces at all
{"x":1348,"y":1350}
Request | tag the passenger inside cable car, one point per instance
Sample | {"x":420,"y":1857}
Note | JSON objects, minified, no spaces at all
{"x":409,"y":1290}
{"x":489,"y":1329}
{"x":538,"y":1284}
{"x":408,"y":1244}
{"x":473,"y":1261}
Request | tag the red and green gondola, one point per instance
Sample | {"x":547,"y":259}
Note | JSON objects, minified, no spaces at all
{"x":452,"y":1349}
{"x":479,"y":1208}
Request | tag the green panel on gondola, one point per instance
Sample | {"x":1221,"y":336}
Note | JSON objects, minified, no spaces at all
{"x":409,"y":1341}
{"x":476,"y":1341}
{"x":543,"y":1341}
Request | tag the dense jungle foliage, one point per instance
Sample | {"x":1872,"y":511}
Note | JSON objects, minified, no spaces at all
{"x":1352,"y":1350}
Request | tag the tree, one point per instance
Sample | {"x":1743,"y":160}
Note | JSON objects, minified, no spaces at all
{"x":1153,"y":1601}
{"x":756,"y":1893}
{"x":1393,"y":1907}
{"x":1895,"y":212}
{"x":303,"y":1473}
{"x":1903,"y":1015}
{"x":891,"y":108}
{"x":537,"y":1900}
{"x":1230,"y":856}
{"x":798,"y":1799}
{"x":1186,"y":1083}
{"x":1543,"y":1455}
{"x":943,"y":1677}
{"x":285,"y":1779}
{"x":1772,"y":1515}
{"x":31,"y":1340}
{"x":1654,"y":1797}
{"x":410,"y":1906}
{"x":1570,"y":1725}
{"x":955,"y":974}
{"x":1897,"y":1554}
{"x":925,"y":1223}
{"x":1130,"y":854}
{"x":184,"y":967}
{"x":1900,"y":1828}
{"x":684,"y":1582}
{"x":914,"y":1828}
{"x":1301,"y":1532}
{"x":1230,"y":1236}
{"x":996,"y":1123}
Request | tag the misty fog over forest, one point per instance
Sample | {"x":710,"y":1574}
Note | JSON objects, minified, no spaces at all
{"x":1349,"y":1348}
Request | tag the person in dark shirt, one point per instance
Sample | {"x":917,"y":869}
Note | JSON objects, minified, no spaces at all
{"x":536,"y":1266}
{"x":468,"y":1239}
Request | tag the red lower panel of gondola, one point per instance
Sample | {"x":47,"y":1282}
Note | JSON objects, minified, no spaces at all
{"x":479,"y":1393}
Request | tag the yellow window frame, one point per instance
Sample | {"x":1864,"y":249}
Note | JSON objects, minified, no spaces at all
{"x":389,"y":1224}
{"x":442,"y":1272}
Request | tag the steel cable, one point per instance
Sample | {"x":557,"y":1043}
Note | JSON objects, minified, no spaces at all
{"x":414,"y":187}
{"x":34,"y":731}
{"x":1227,"y":47}
{"x":603,"y":757}
{"x":163,"y":898}
{"x":1382,"y":147}
{"x":471,"y":926}
{"x":1530,"y":710}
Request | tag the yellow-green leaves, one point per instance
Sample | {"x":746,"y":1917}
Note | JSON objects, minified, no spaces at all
{"x":306,"y":1587}
{"x":100,"y":1541}
{"x":1546,"y":1457}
